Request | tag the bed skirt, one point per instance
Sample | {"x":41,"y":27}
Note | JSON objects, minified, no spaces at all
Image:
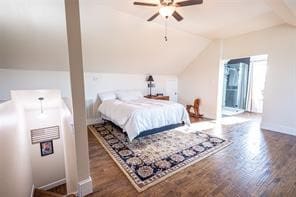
{"x":150,"y":131}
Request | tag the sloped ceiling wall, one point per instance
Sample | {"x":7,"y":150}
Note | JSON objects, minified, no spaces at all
{"x":118,"y":42}
{"x":33,"y":36}
{"x":117,"y":38}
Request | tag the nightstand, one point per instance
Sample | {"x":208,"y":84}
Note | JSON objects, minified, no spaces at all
{"x":158,"y":97}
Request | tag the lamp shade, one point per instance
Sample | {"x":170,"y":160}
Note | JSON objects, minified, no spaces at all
{"x":166,"y":11}
{"x":150,"y":78}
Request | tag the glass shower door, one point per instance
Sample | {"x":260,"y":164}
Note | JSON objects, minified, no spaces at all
{"x":235,"y":85}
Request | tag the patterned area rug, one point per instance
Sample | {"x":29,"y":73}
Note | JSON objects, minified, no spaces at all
{"x":151,"y":159}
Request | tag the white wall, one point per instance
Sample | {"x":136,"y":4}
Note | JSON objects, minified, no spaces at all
{"x":51,"y":168}
{"x":69,"y":148}
{"x":31,"y":80}
{"x":47,"y":171}
{"x":200,"y":79}
{"x":280,"y":90}
{"x":15,"y":165}
{"x":94,"y":82}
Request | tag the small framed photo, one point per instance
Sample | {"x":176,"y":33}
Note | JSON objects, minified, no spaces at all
{"x":46,"y":148}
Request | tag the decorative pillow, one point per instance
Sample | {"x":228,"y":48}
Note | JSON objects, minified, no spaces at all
{"x":104,"y":96}
{"x":129,"y":95}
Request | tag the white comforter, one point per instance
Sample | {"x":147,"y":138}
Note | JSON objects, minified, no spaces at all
{"x":143,"y":114}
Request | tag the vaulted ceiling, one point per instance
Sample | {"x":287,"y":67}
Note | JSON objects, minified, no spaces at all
{"x":216,"y":18}
{"x":117,"y":38}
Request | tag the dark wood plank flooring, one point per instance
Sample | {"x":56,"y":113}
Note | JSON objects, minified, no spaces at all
{"x":257,"y":163}
{"x":61,"y":189}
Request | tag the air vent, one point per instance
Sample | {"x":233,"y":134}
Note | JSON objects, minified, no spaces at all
{"x":45,"y":134}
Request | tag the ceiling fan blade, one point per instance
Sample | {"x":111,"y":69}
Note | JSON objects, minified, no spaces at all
{"x":177,"y":16}
{"x":153,"y":17}
{"x":145,"y":4}
{"x":188,"y":3}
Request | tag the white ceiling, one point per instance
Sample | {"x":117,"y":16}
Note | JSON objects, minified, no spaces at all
{"x":117,"y":38}
{"x":214,"y":18}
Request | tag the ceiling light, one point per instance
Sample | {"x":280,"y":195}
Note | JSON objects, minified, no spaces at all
{"x":167,"y":11}
{"x":41,"y":99}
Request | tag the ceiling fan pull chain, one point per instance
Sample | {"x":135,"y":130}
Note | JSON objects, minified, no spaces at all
{"x":166,"y":29}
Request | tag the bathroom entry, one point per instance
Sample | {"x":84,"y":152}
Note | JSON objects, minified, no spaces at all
{"x":243,"y":85}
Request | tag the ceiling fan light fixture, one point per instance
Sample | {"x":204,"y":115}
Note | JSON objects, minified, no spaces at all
{"x":167,"y":11}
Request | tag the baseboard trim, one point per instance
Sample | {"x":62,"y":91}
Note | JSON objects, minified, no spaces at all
{"x":32,"y":190}
{"x":278,"y":128}
{"x":53,"y":184}
{"x":85,"y":187}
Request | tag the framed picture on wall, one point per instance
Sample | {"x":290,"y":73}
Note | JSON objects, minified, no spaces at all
{"x":46,"y":148}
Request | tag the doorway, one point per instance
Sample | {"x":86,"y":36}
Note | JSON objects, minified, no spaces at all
{"x":258,"y":68}
{"x":243,"y":85}
{"x":171,"y":89}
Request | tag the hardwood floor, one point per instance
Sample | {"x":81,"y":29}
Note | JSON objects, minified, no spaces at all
{"x":257,"y":163}
{"x":61,"y":189}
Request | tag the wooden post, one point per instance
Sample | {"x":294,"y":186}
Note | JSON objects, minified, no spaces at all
{"x":78,"y":97}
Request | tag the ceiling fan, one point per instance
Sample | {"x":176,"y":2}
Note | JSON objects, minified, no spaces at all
{"x":168,"y":8}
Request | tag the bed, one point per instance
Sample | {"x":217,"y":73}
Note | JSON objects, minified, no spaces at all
{"x":136,"y":114}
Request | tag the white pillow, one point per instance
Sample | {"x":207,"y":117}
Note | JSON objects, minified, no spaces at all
{"x":136,"y":94}
{"x":104,"y":96}
{"x":129,"y":95}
